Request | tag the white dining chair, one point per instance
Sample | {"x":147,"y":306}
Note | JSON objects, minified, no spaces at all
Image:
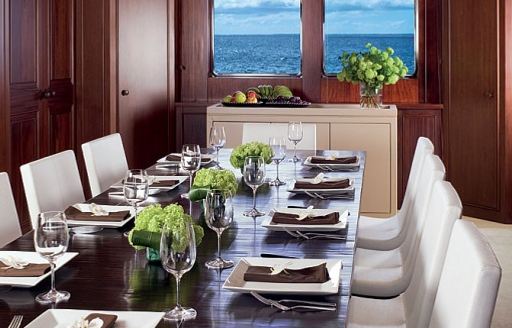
{"x":9,"y":221}
{"x":105,"y":162}
{"x":387,"y":234}
{"x":469,"y":283}
{"x":388,"y":273}
{"x":52,"y":184}
{"x":262,"y":132}
{"x":413,"y":308}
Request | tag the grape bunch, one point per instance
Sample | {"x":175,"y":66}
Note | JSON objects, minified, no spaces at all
{"x":292,"y":101}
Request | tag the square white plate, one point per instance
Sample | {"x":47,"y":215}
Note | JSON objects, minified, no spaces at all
{"x":267,"y":222}
{"x":337,"y":191}
{"x":235,"y":282}
{"x":205,"y":159}
{"x":32,"y":257}
{"x":332,"y":167}
{"x":105,"y":224}
{"x":63,"y":318}
{"x":156,"y":178}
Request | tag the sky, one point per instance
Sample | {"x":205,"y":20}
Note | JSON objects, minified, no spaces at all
{"x":342,"y":16}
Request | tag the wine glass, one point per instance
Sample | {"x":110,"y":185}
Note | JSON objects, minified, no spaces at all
{"x":217,"y":140}
{"x":135,"y":188}
{"x":295,"y":135}
{"x":254,"y":176}
{"x":178,"y":255}
{"x":218,"y":217}
{"x":190,"y":161}
{"x":51,"y":239}
{"x":278,"y":146}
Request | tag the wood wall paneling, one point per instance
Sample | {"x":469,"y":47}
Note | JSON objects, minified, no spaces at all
{"x":5,"y":111}
{"x":506,"y":105}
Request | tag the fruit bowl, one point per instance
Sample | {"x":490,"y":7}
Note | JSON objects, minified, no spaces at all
{"x":231,"y":104}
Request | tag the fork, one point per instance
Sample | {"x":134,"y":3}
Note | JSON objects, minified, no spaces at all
{"x":313,"y":235}
{"x":16,"y":321}
{"x":327,"y":197}
{"x":314,"y":306}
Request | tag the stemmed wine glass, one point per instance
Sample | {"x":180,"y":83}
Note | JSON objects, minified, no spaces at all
{"x":135,"y":188}
{"x":217,"y":140}
{"x":295,"y":135}
{"x":178,"y":255}
{"x":190,"y":161}
{"x":218,"y":217}
{"x":278,"y":146}
{"x":51,"y":239}
{"x":254,"y":176}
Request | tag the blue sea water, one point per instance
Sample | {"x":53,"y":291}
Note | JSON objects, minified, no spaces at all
{"x":281,"y":53}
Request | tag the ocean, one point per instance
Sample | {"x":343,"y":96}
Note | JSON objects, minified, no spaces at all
{"x":280,"y":53}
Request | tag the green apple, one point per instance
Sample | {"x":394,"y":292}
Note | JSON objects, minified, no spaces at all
{"x":226,"y":99}
{"x":240,"y":97}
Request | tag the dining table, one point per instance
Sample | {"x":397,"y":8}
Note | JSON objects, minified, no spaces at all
{"x":109,"y":274}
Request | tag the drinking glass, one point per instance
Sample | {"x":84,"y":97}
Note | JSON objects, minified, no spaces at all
{"x":217,"y":140}
{"x":135,"y":188}
{"x":51,"y":239}
{"x":295,"y":135}
{"x":190,"y":161}
{"x":218,"y":216}
{"x":254,"y":176}
{"x":278,"y":146}
{"x":178,"y":255}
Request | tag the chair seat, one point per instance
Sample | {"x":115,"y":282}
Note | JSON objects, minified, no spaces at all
{"x":378,"y":259}
{"x":378,"y":282}
{"x":378,"y":233}
{"x":370,"y":312}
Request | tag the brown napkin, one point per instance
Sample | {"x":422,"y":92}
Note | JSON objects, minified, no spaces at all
{"x":337,"y":184}
{"x":74,"y":214}
{"x":314,"y":274}
{"x":31,"y":270}
{"x":288,"y":218}
{"x":108,"y":319}
{"x":163,"y":183}
{"x":336,"y":160}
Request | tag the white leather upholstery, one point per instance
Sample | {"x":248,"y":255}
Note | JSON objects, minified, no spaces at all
{"x":9,"y":221}
{"x":52,"y":184}
{"x":386,"y":234}
{"x":263,"y":131}
{"x":469,"y":282}
{"x":380,"y":273}
{"x":105,"y":162}
{"x":414,"y":307}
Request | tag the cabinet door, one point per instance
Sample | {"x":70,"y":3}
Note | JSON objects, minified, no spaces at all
{"x":375,"y":139}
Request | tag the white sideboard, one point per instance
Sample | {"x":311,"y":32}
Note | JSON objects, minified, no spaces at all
{"x":338,"y":127}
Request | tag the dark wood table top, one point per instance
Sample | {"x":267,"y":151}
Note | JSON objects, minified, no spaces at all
{"x":109,"y":274}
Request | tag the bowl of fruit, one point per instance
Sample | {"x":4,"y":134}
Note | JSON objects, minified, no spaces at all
{"x":265,"y":95}
{"x":240,"y":99}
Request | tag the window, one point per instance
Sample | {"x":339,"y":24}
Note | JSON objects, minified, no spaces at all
{"x":256,"y":37}
{"x":351,"y":24}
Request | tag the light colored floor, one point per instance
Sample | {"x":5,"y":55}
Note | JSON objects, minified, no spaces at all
{"x":500,"y":237}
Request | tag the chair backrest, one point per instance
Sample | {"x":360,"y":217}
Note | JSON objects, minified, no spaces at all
{"x":469,"y":282}
{"x":105,"y":161}
{"x":52,"y":184}
{"x":263,"y":131}
{"x":9,"y":221}
{"x":444,"y":208}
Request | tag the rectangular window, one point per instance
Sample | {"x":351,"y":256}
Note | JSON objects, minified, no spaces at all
{"x":351,"y":24}
{"x":256,"y":37}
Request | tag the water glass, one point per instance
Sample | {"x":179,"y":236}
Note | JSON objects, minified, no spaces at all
{"x":178,"y":255}
{"x":136,"y":188}
{"x":278,"y":146}
{"x":51,"y":239}
{"x":190,"y":160}
{"x":254,"y":176}
{"x":217,"y":140}
{"x":295,"y":135}
{"x":218,"y":216}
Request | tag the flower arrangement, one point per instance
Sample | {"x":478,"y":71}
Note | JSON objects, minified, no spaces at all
{"x":373,"y":69}
{"x":207,"y":179}
{"x":255,"y":148}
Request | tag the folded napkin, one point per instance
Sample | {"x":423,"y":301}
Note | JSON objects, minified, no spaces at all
{"x":73,"y":213}
{"x":314,"y":274}
{"x":334,"y":184}
{"x":31,"y":270}
{"x":333,"y":160}
{"x":108,"y":319}
{"x":289,"y":218}
{"x":163,"y":183}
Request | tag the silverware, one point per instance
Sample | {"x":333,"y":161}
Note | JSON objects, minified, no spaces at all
{"x":314,"y":235}
{"x":16,"y":321}
{"x":330,"y":196}
{"x":313,"y":306}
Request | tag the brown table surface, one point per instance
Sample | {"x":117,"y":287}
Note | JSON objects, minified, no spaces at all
{"x":109,"y":274}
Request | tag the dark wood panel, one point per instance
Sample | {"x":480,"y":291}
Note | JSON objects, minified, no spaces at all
{"x":312,"y":59}
{"x":193,"y":124}
{"x":219,"y":87}
{"x":5,"y":111}
{"x":61,"y":22}
{"x":24,"y":46}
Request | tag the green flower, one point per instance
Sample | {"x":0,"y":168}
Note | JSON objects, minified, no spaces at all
{"x":216,"y":179}
{"x":239,"y":154}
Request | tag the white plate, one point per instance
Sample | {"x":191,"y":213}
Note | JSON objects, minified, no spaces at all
{"x":267,"y":222}
{"x":235,"y":282}
{"x":153,"y":190}
{"x":337,"y":191}
{"x":63,"y":318}
{"x":32,"y":257}
{"x":332,"y":167}
{"x":105,"y":224}
{"x":205,"y":159}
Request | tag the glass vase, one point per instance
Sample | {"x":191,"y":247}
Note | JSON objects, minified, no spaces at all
{"x":152,"y":255}
{"x":370,"y":97}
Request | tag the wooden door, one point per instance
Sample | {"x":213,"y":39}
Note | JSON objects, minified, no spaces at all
{"x":143,"y":95}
